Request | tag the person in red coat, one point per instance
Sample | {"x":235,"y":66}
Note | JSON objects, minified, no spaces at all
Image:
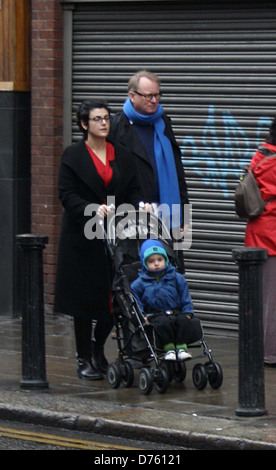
{"x":91,"y":171}
{"x":261,"y":233}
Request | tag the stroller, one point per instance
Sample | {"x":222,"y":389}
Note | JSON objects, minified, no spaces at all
{"x":135,"y":338}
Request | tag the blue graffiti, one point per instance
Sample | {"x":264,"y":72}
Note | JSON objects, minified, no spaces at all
{"x":226,"y":150}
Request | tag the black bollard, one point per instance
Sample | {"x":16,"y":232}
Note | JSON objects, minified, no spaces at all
{"x":251,"y":341}
{"x":32,"y":309}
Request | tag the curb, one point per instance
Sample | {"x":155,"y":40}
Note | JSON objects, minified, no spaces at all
{"x":189,"y":440}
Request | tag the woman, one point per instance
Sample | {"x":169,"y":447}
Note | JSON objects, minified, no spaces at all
{"x":261,"y":233}
{"x":90,"y":172}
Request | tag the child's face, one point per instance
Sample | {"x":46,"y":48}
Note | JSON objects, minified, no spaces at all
{"x":156,"y":262}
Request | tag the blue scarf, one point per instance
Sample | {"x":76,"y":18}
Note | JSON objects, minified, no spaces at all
{"x":167,"y":175}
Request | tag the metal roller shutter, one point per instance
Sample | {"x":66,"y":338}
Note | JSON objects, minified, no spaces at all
{"x":217,"y":66}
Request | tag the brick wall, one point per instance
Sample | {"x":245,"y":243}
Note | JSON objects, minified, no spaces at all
{"x":46,"y":130}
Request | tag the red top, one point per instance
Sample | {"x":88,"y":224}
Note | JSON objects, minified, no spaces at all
{"x":261,"y":232}
{"x":105,"y":171}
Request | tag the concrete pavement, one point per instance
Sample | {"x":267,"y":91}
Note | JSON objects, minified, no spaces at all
{"x":181,"y":416}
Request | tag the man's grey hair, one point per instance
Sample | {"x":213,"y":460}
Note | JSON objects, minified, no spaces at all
{"x":134,"y":80}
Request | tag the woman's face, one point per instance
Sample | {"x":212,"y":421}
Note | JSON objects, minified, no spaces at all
{"x":98,"y":122}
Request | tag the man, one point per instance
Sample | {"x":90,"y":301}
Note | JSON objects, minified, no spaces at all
{"x":146,"y":130}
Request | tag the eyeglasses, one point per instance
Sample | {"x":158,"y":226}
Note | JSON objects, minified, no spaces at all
{"x":149,"y":97}
{"x":100,"y":119}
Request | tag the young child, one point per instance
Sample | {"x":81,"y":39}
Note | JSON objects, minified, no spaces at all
{"x":164,"y":299}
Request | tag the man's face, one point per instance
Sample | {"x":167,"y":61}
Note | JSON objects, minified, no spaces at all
{"x":145,"y":104}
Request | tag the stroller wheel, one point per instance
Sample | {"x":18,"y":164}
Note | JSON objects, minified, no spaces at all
{"x":215,"y":374}
{"x":168,"y":366}
{"x":200,"y":376}
{"x":114,"y":375}
{"x":161,"y":380}
{"x":145,"y":381}
{"x":127,"y":374}
{"x":180,"y":372}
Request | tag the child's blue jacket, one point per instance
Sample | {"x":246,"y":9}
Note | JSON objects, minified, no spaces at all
{"x":168,"y":292}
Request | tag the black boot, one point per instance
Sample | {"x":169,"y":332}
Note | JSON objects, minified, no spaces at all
{"x":99,"y":359}
{"x":87,"y":371}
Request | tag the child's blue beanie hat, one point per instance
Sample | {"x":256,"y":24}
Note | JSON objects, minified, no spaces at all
{"x":152,"y":247}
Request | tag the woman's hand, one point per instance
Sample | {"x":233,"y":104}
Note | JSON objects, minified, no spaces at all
{"x":104,"y":210}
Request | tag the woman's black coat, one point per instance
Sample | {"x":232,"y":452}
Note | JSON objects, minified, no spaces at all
{"x":83,"y":268}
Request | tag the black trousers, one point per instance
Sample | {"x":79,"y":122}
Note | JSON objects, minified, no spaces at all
{"x":176,"y":329}
{"x":83,"y":334}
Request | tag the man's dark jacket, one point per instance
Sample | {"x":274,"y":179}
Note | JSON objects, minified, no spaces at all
{"x":123,"y":132}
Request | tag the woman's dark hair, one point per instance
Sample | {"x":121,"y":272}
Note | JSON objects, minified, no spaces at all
{"x":271,"y":138}
{"x":84,"y":109}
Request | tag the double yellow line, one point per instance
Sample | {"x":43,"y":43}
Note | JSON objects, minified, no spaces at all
{"x":59,"y":441}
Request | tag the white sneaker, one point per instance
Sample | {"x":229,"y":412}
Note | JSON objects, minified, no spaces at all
{"x":182,"y":355}
{"x":170,"y":355}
